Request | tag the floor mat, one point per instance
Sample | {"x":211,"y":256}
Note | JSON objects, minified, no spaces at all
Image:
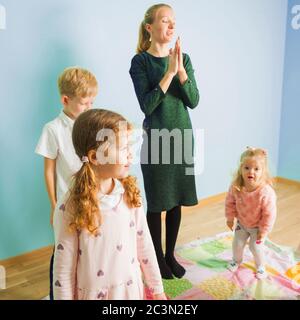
{"x":207,"y":278}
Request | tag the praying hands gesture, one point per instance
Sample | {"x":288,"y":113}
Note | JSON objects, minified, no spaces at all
{"x":175,"y":67}
{"x":176,"y":62}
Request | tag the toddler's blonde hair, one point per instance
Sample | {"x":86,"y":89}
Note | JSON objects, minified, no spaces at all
{"x":238,"y":181}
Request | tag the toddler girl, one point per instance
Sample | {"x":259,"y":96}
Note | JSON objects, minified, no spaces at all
{"x":251,"y":200}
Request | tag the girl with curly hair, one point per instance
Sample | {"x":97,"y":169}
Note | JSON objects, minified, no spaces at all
{"x":103,"y":245}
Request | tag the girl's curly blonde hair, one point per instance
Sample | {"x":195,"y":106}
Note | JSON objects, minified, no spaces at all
{"x":83,"y":203}
{"x":238,"y":181}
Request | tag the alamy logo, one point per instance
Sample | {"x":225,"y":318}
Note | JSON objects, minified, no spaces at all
{"x":295,"y":23}
{"x":2,"y":18}
{"x":152,"y":147}
{"x":2,"y":278}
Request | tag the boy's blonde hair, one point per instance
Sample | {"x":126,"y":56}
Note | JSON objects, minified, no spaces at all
{"x":76,"y":82}
{"x":238,"y":181}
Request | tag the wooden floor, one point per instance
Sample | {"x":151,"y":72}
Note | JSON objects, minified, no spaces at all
{"x":27,"y":275}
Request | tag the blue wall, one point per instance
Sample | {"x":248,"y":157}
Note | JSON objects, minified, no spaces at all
{"x":237,"y":49}
{"x":289,"y":158}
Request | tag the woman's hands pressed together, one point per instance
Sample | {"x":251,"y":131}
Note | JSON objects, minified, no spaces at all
{"x":176,"y":62}
{"x":173,"y":61}
{"x":175,"y":67}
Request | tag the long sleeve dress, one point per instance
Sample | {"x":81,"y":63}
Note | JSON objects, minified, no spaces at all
{"x":112,"y":265}
{"x":168,"y":182}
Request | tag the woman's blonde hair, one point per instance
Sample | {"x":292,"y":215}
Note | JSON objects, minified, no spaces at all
{"x":238,"y":181}
{"x":144,"y":36}
{"x":76,"y":82}
{"x":83,"y":201}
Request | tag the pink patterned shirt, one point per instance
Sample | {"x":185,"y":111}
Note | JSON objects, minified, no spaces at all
{"x":252,"y":209}
{"x":111,"y":265}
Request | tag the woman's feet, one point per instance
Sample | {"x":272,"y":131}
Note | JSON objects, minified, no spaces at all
{"x":175,"y":267}
{"x":169,"y":268}
{"x":165,"y":270}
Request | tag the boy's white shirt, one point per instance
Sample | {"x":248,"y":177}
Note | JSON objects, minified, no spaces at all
{"x":56,"y":143}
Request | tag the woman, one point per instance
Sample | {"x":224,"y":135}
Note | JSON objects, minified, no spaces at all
{"x":165,"y":86}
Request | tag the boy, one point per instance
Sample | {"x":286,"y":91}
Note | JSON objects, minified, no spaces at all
{"x":78,"y":88}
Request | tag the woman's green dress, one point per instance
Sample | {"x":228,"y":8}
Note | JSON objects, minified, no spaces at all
{"x":167,"y":183}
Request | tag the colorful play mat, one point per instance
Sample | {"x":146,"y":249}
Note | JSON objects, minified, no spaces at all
{"x":207,"y":278}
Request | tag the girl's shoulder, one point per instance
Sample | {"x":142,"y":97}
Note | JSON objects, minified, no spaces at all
{"x":131,"y":203}
{"x":132,"y":194}
{"x":234,"y":190}
{"x":268,"y":190}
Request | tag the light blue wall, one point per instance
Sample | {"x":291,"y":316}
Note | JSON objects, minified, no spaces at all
{"x":289,"y":158}
{"x":237,"y":49}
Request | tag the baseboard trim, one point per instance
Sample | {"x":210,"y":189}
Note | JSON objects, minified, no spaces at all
{"x":27,"y":256}
{"x":287,"y":181}
{"x":202,"y":203}
{"x":207,"y":201}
